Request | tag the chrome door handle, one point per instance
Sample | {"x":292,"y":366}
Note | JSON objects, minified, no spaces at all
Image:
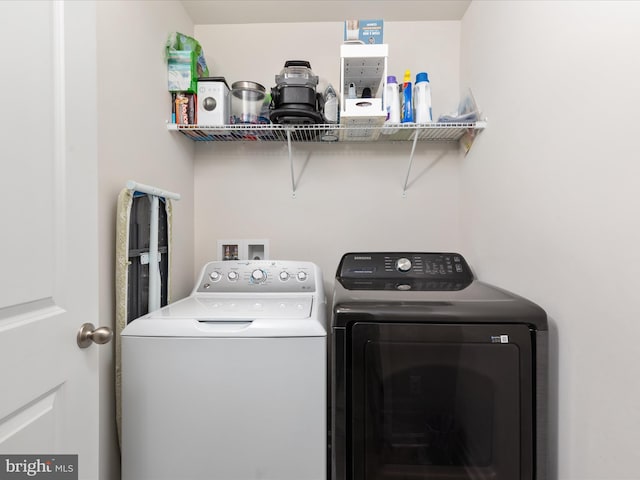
{"x":88,"y":333}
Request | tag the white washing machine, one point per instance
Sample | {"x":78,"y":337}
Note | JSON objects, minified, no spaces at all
{"x":230,"y":382}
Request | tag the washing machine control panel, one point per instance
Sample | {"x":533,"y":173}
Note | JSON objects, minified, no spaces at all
{"x":404,"y":271}
{"x":258,"y":276}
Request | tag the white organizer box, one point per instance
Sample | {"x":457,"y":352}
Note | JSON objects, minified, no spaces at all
{"x":363,"y":66}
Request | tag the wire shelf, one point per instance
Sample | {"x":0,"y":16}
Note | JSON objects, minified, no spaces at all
{"x":328,"y":133}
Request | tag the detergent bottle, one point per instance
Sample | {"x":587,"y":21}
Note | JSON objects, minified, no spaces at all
{"x":407,"y":98}
{"x":392,"y":100}
{"x":422,"y":100}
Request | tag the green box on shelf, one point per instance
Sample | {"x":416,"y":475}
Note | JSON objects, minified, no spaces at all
{"x":182,"y":71}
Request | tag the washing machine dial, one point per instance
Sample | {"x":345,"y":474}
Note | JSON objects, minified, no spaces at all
{"x":284,"y":276}
{"x":215,"y":276}
{"x":302,"y":276}
{"x":258,"y":276}
{"x":403,"y":265}
{"x":233,"y":276}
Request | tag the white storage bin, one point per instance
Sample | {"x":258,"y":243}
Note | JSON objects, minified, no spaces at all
{"x":362,"y":67}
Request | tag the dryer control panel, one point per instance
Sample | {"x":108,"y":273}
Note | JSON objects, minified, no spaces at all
{"x":249,"y":276}
{"x":404,"y":271}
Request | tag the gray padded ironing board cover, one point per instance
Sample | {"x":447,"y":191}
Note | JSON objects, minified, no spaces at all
{"x":128,"y":263}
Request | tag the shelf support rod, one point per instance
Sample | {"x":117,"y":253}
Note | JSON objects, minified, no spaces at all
{"x":413,"y":149}
{"x":293,"y":177}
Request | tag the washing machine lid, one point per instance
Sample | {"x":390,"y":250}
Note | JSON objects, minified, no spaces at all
{"x":231,"y":315}
{"x":228,"y":306}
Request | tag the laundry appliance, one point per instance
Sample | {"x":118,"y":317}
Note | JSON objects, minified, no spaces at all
{"x":230,"y":382}
{"x":435,"y":375}
{"x":213,"y":101}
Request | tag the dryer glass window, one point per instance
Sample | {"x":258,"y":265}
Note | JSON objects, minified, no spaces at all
{"x":437,"y":402}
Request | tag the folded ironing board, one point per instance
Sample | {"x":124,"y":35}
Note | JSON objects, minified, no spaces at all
{"x":143,"y":233}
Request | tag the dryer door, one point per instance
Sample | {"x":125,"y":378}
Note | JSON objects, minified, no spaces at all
{"x":441,"y":401}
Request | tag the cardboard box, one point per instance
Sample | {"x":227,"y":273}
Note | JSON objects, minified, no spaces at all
{"x":186,"y":108}
{"x":181,"y":71}
{"x":368,"y":32}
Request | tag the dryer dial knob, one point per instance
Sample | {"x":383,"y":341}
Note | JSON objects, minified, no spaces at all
{"x":403,"y":265}
{"x":258,"y":276}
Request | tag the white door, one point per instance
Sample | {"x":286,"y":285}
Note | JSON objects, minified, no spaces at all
{"x":48,"y":232}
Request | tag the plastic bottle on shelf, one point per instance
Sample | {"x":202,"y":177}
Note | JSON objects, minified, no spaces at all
{"x":407,"y":98}
{"x":352,"y":90}
{"x":330,"y":105}
{"x":392,"y":100}
{"x":422,"y":99}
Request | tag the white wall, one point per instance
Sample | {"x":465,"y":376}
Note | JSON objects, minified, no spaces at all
{"x":550,"y":204}
{"x":133,"y":106}
{"x":349,"y":196}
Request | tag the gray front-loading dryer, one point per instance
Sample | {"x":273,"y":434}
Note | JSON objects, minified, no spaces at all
{"x":435,"y":375}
